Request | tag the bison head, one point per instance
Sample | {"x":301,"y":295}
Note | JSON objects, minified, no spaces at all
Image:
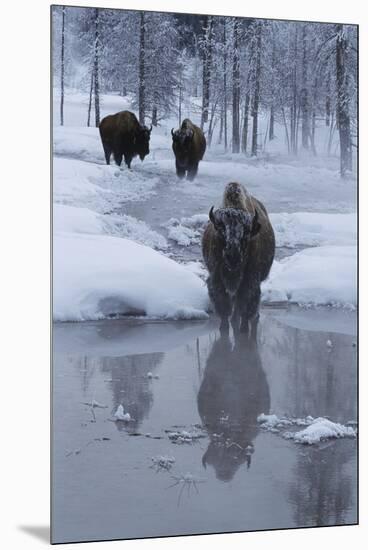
{"x":142,"y":139}
{"x":235,"y":228}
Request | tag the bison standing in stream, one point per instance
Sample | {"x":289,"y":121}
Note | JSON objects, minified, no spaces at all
{"x":123,"y":136}
{"x":189,"y":146}
{"x":238,"y":248}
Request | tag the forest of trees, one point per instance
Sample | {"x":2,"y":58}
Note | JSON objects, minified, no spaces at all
{"x":230,"y":71}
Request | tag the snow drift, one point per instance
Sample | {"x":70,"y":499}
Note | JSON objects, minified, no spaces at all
{"x":97,"y":276}
{"x":325,"y":275}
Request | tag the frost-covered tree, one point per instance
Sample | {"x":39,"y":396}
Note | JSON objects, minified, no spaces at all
{"x":246,"y":81}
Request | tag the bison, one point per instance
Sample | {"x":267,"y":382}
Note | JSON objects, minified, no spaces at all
{"x":238,"y":247}
{"x":234,"y":391}
{"x":122,"y":135}
{"x":189,"y":146}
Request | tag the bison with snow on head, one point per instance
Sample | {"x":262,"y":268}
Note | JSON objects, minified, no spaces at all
{"x":189,"y":146}
{"x":238,"y":248}
{"x":123,"y":136}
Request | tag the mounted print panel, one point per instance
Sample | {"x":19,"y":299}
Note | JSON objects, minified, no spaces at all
{"x":204,"y":274}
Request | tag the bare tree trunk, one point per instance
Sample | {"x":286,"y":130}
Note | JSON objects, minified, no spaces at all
{"x":90,"y":101}
{"x":207,"y":62}
{"x":330,"y":137}
{"x":294,"y":103}
{"x":154,"y":115}
{"x":212,"y":124}
{"x":180,"y":94}
{"x":342,"y":107}
{"x":141,"y":76}
{"x":221,"y":125}
{"x":286,"y":129}
{"x":271,"y":134}
{"x":225,"y":86}
{"x":62,"y":67}
{"x":328,"y":100}
{"x":96,"y":69}
{"x":247,"y":99}
{"x":304,"y":98}
{"x":257,"y":86}
{"x":236,"y":88}
{"x":245,"y":123}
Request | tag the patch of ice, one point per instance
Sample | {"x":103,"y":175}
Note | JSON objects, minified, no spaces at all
{"x":184,"y":436}
{"x":95,"y":404}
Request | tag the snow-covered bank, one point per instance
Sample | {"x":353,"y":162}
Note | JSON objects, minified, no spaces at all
{"x":315,"y":430}
{"x":292,"y":230}
{"x":99,"y":186}
{"x":98,"y":276}
{"x":73,"y":219}
{"x":325,"y":275}
{"x":314,"y":229}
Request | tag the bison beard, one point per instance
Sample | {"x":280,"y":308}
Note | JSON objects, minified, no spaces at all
{"x":238,"y":248}
{"x":189,"y":145}
{"x":123,"y":136}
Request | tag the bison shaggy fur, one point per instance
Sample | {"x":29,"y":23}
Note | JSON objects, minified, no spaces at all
{"x":189,"y":146}
{"x":238,"y":247}
{"x":123,"y":136}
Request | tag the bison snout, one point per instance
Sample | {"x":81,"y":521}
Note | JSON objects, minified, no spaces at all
{"x":232,"y":259}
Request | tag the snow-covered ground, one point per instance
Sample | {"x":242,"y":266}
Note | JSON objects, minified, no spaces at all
{"x":108,"y":261}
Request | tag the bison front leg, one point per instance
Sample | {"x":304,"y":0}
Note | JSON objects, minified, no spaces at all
{"x":220,"y":300}
{"x":192,"y":172}
{"x":248,"y":300}
{"x":118,"y":157}
{"x":180,"y":171}
{"x":128,"y":160}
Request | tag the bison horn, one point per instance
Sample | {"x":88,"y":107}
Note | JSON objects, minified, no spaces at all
{"x":211,"y":215}
{"x":150,"y":130}
{"x":172,"y":132}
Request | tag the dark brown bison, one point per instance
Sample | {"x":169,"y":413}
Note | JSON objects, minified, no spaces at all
{"x":238,"y":248}
{"x":234,"y":391}
{"x":123,"y":136}
{"x":189,"y":146}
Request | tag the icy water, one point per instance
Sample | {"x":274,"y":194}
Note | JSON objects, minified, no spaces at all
{"x":176,"y":376}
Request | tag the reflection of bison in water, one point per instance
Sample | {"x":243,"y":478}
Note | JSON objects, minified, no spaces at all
{"x":233,"y":392}
{"x":122,"y":135}
{"x":189,"y":145}
{"x":238,"y":247}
